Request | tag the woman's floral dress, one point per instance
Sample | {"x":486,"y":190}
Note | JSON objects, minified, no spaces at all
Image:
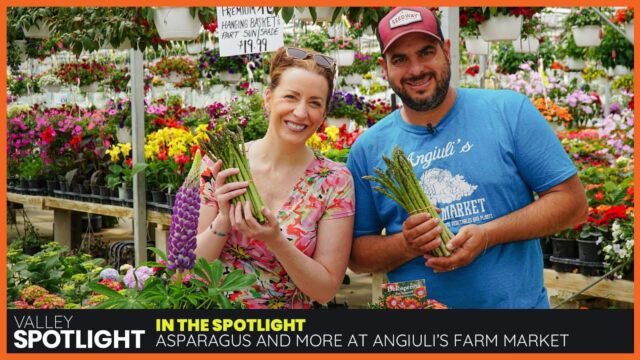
{"x":324,"y":192}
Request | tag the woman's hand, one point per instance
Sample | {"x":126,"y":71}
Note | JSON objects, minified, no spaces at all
{"x":226,"y":192}
{"x":242,"y":219}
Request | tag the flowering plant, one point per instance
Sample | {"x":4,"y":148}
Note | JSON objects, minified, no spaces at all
{"x":471,"y":17}
{"x":377,"y":109}
{"x":349,"y":105}
{"x":553,"y":112}
{"x":362,"y":64}
{"x":81,"y":74}
{"x":340,"y":43}
{"x":619,"y":250}
{"x":334,"y":142}
{"x":155,"y":286}
{"x":218,"y":64}
{"x":614,"y":50}
{"x":623,"y":16}
{"x":122,"y":170}
{"x":617,"y":129}
{"x":583,"y":107}
{"x":179,"y":65}
{"x":48,"y":79}
{"x":314,"y":40}
{"x":168,"y":152}
{"x":582,"y":17}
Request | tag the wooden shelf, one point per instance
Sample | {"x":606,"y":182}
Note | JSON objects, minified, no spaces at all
{"x":53,"y":203}
{"x":37,"y":201}
{"x":620,"y":290}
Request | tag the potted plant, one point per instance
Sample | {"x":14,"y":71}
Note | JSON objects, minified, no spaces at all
{"x":181,"y":71}
{"x":343,"y":49}
{"x":181,"y":23}
{"x":573,"y":55}
{"x":347,"y":107}
{"x":528,"y":41}
{"x":314,"y":14}
{"x":314,"y":40}
{"x":122,"y":170}
{"x":230,"y":69}
{"x":362,"y":64}
{"x":49,"y":82}
{"x":31,"y":169}
{"x":33,"y":20}
{"x":470,"y":18}
{"x":615,"y":53}
{"x":504,"y":23}
{"x":584,"y":23}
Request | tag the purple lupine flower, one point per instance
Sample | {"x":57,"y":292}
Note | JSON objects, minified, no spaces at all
{"x":183,"y":230}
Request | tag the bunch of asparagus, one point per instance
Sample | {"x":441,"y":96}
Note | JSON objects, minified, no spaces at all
{"x":401,"y":185}
{"x":227,"y":144}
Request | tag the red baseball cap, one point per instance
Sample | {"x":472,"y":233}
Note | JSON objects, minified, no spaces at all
{"x":405,"y":20}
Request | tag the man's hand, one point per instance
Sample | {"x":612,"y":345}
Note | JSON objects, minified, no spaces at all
{"x":420,"y":233}
{"x":471,"y":241}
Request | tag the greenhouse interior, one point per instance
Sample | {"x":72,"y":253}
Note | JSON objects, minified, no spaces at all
{"x":109,"y":111}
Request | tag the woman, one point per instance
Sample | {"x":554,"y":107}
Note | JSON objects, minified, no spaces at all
{"x":301,"y":253}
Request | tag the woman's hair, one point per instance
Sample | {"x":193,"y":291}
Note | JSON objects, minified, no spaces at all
{"x":280,"y":62}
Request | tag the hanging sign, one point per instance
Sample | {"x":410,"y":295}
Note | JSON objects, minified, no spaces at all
{"x":248,"y":30}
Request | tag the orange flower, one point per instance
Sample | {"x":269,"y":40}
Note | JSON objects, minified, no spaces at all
{"x":393,"y":302}
{"x":420,"y":292}
{"x":410,"y":304}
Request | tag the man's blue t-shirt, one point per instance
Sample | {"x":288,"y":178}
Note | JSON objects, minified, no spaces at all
{"x":484,"y":160}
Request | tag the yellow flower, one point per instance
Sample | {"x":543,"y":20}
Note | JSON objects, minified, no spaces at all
{"x":125,"y":148}
{"x":314,"y":141}
{"x":332,"y":132}
{"x":114,"y":152}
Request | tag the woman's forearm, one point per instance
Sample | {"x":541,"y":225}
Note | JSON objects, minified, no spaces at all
{"x":309,"y":275}
{"x":211,"y":240}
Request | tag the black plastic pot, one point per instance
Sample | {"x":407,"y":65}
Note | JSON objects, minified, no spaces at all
{"x":588,"y":251}
{"x":564,"y":248}
{"x":564,"y":265}
{"x":158,"y":197}
{"x":52,"y":185}
{"x":171,"y":199}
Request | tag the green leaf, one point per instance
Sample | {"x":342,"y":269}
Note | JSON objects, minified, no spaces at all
{"x":104,"y":290}
{"x":159,"y":253}
{"x":237,"y":280}
{"x":287,"y":14}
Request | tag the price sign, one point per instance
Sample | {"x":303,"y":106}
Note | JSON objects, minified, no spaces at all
{"x":248,"y":30}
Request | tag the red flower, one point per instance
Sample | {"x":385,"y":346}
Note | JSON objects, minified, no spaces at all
{"x":599,"y":196}
{"x":479,"y":18}
{"x":162,"y":155}
{"x":48,"y":134}
{"x":129,"y":162}
{"x":75,"y":142}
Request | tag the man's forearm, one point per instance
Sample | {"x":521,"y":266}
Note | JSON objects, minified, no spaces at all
{"x":379,"y":253}
{"x":554,"y":211}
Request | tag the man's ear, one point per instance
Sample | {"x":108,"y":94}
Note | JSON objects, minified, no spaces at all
{"x":446,"y":46}
{"x":383,"y":64}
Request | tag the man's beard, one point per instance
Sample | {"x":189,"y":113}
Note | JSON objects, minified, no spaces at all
{"x":432,"y":102}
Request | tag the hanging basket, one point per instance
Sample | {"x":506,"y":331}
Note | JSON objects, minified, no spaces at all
{"x":620,"y":70}
{"x":628,"y":30}
{"x":587,"y":36}
{"x":124,"y":45}
{"x":353,"y":79}
{"x":176,"y":23}
{"x":38,"y":31}
{"x":574,"y":64}
{"x":338,"y":122}
{"x":501,"y":28}
{"x":343,"y":57}
{"x":322,"y":13}
{"x":476,"y":45}
{"x":194,"y":48}
{"x":526,"y":45}
{"x":230,"y":77}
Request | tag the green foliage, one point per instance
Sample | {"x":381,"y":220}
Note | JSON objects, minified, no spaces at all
{"x":614,"y":50}
{"x":314,"y":40}
{"x":582,"y":17}
{"x":623,"y":82}
{"x":31,"y":167}
{"x":53,"y":268}
{"x":206,"y":289}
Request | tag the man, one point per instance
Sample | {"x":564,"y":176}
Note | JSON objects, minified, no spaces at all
{"x":480,"y":155}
